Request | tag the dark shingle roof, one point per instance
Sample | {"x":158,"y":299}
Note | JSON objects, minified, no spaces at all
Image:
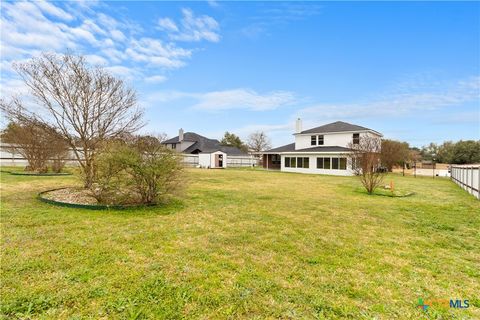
{"x":287,"y":147}
{"x":337,"y":126}
{"x":204,"y":144}
{"x":187,"y":136}
{"x":291,"y":148}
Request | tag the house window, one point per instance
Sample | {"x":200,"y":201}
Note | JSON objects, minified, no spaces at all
{"x":326,"y":163}
{"x":320,"y":140}
{"x":356,"y":138}
{"x":306,"y":162}
{"x":303,"y":162}
{"x":276,"y":159}
{"x":293,"y":162}
{"x":313,"y":140}
{"x":319,"y":163}
{"x":287,"y":162}
{"x":299,"y":162}
{"x":343,"y":163}
{"x":174,"y":146}
{"x":335,"y":163}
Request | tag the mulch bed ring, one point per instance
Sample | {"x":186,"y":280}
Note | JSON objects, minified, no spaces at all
{"x":41,"y":197}
{"x":46,"y":174}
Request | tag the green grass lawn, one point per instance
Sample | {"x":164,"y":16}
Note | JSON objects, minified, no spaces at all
{"x":243,"y":244}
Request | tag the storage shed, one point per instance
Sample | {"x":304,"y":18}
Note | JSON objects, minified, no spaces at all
{"x":214,"y":159}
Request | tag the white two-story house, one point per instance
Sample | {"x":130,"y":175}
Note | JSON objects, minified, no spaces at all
{"x":321,"y":150}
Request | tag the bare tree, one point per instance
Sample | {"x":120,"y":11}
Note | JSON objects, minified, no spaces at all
{"x":36,"y":144}
{"x":365,"y":158}
{"x":258,"y":141}
{"x":86,"y":105}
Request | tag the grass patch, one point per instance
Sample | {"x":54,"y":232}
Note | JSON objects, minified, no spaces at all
{"x":242,"y":244}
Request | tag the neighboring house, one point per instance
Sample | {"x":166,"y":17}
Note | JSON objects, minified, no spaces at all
{"x":211,"y":154}
{"x":321,"y":150}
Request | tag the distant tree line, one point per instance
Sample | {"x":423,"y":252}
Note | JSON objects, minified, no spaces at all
{"x":460,"y":152}
{"x":398,"y":153}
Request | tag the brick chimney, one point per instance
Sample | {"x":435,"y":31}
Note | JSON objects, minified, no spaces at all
{"x":180,"y":135}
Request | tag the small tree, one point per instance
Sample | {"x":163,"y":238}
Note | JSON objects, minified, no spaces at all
{"x":258,"y":141}
{"x":429,"y":151}
{"x":85,"y":105}
{"x":365,"y":157}
{"x":394,"y":153}
{"x":232,"y":140}
{"x":37,"y":144}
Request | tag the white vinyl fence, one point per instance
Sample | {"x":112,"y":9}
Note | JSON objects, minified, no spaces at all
{"x":13,"y":159}
{"x":467,"y":177}
{"x":242,"y":161}
{"x":191,"y":160}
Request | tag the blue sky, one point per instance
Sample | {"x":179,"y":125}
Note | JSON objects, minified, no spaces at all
{"x":409,"y":70}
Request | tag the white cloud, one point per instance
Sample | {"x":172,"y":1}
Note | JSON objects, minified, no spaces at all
{"x":94,"y":59}
{"x":123,"y":72}
{"x":192,"y":28}
{"x":29,"y":28}
{"x":213,"y":3}
{"x":167,"y":24}
{"x":117,"y":35}
{"x":407,"y":102}
{"x":270,"y":129}
{"x":53,"y":10}
{"x":156,"y":79}
{"x":155,"y":52}
{"x":243,"y":99}
{"x":240,"y":98}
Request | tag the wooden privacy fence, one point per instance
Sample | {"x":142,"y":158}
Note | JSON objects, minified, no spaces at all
{"x":467,"y":176}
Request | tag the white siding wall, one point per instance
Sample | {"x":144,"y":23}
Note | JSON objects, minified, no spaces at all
{"x":313,"y":165}
{"x":204,"y":160}
{"x":341,"y":139}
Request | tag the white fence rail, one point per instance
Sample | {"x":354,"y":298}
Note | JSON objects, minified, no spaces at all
{"x":467,"y":177}
{"x":242,"y":161}
{"x":13,"y":159}
{"x":191,"y":160}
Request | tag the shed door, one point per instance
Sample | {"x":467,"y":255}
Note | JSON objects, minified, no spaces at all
{"x":219,"y":160}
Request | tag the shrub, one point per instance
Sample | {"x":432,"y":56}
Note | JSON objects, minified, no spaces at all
{"x":37,"y":144}
{"x":137,"y":171}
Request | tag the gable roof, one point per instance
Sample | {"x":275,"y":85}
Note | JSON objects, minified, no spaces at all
{"x":337,"y":126}
{"x":204,"y":144}
{"x":291,"y":148}
{"x":188,"y":136}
